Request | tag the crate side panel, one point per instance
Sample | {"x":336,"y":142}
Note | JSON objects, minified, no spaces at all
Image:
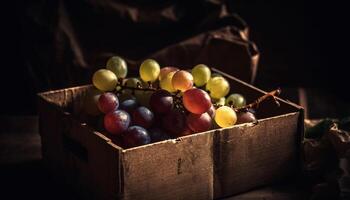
{"x":64,"y":97}
{"x":170,"y":170}
{"x":94,"y":162}
{"x":76,"y":155}
{"x":51,"y":140}
{"x":255,"y":155}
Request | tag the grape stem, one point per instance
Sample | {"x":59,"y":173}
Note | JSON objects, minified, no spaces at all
{"x":138,"y":86}
{"x":273,"y":94}
{"x":178,"y":99}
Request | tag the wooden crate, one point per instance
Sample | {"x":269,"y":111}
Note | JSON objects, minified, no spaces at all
{"x":206,"y":165}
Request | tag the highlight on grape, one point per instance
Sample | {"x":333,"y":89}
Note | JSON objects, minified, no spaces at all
{"x":164,"y":102}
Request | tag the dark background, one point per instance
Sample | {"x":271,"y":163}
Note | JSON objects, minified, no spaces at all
{"x":302,"y":44}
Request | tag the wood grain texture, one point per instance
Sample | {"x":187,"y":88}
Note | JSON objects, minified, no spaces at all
{"x":175,"y":169}
{"x":251,"y":155}
{"x":84,"y":159}
{"x":207,"y":165}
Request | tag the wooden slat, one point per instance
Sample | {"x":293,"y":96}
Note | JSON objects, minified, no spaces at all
{"x":84,"y":159}
{"x":176,"y":169}
{"x":201,"y":166}
{"x":254,"y":155}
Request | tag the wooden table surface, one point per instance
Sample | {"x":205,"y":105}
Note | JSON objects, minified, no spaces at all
{"x":22,"y":174}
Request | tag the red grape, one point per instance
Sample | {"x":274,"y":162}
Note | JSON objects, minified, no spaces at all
{"x":117,"y":121}
{"x":196,"y":101}
{"x":174,"y":123}
{"x":211,"y":111}
{"x":142,"y":116}
{"x":108,"y":102}
{"x":245,"y":117}
{"x":199,"y":123}
{"x":186,"y":131}
{"x":136,"y":136}
{"x":161,"y":101}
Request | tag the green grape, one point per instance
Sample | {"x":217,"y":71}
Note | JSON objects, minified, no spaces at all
{"x":118,"y":88}
{"x":218,"y":87}
{"x":220,"y":102}
{"x":166,"y":82}
{"x":132,"y":82}
{"x":201,"y":75}
{"x":225,"y":116}
{"x":104,"y":80}
{"x":237,"y":100}
{"x":149,"y":70}
{"x":127,"y":93}
{"x":118,"y":66}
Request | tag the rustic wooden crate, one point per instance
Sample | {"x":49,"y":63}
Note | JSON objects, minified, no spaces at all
{"x":206,"y":165}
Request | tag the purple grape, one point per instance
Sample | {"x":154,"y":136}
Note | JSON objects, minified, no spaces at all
{"x":129,"y":105}
{"x":174,"y":123}
{"x":136,"y":136}
{"x":143,"y":117}
{"x":161,"y":101}
{"x":158,"y":134}
{"x":116,"y":122}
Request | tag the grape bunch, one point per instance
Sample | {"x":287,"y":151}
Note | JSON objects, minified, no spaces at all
{"x":162,"y":103}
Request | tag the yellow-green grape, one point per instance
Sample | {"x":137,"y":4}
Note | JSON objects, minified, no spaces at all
{"x":118,"y":66}
{"x":132,"y":82}
{"x":127,"y":93}
{"x":90,"y":102}
{"x":201,"y":74}
{"x":118,"y":88}
{"x":218,"y":87}
{"x":149,"y":70}
{"x":104,"y":80}
{"x":236,"y":100}
{"x":166,"y":82}
{"x":221,"y":101}
{"x":225,"y":116}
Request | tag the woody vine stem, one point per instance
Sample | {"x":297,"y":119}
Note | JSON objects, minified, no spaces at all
{"x":272,"y":95}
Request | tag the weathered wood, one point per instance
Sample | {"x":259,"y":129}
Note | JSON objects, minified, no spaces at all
{"x":252,"y":155}
{"x":82,"y":158}
{"x":207,"y":165}
{"x":174,"y":169}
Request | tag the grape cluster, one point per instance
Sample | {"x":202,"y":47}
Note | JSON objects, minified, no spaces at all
{"x":162,"y":103}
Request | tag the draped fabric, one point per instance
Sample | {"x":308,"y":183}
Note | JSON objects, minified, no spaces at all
{"x":74,"y":38}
